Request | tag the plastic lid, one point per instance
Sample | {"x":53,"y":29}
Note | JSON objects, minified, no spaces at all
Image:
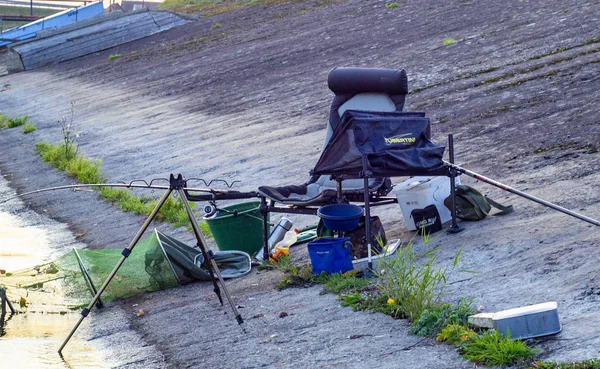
{"x":525,"y":310}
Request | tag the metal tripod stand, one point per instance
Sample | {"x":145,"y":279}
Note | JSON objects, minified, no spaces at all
{"x":176,"y":184}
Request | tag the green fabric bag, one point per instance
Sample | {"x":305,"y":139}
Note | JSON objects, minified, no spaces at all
{"x":472,"y":205}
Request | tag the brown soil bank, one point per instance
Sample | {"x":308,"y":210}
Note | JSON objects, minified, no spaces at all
{"x":248,"y":101}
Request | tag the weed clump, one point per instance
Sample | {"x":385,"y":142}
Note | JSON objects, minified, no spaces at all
{"x":415,"y":288}
{"x":456,"y":334}
{"x":432,"y":320}
{"x":8,"y":122}
{"x":302,"y":276}
{"x":29,"y":128}
{"x":447,"y":41}
{"x":492,"y":349}
{"x":85,"y":170}
{"x":392,"y":5}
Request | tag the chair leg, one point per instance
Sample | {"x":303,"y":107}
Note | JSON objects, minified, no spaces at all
{"x":454,"y":228}
{"x":264,"y":211}
{"x":366,"y":176}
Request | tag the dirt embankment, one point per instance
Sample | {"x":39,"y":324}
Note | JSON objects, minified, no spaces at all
{"x":248,"y":101}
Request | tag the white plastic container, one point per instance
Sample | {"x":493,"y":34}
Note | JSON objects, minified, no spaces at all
{"x":528,"y":321}
{"x":420,"y":192}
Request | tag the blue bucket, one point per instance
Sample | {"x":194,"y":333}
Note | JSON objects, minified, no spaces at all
{"x":340,"y":217}
{"x":330,"y":255}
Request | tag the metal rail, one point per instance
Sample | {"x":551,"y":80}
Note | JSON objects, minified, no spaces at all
{"x":19,"y":18}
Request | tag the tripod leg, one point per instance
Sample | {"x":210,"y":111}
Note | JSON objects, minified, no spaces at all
{"x":126,"y":252}
{"x":200,"y":242}
{"x":208,"y":256}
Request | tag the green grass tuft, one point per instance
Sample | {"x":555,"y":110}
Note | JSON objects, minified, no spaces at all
{"x":3,"y":121}
{"x":415,"y":287}
{"x":392,"y":5}
{"x":29,"y":127}
{"x":432,"y":320}
{"x":8,"y":122}
{"x":215,"y":26}
{"x":491,"y":349}
{"x":114,"y":56}
{"x":89,"y":171}
{"x":448,"y":41}
{"x":174,"y":212}
{"x":85,"y":170}
{"x":302,"y":276}
{"x":456,"y":334}
{"x":343,"y":283}
{"x":373,"y":302}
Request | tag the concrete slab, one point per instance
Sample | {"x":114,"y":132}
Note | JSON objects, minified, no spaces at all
{"x":101,"y":33}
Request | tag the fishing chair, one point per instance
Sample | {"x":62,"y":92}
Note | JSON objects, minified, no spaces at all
{"x":365,"y":89}
{"x":358,"y":89}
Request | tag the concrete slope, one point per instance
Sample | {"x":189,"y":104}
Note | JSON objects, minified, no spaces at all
{"x":247,"y":100}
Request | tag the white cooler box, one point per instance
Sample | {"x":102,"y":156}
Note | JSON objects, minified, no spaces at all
{"x":420,"y":192}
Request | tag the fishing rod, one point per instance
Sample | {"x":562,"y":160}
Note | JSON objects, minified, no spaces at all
{"x":209,"y":193}
{"x":522,"y":194}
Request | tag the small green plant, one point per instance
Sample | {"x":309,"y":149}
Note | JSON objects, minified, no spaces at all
{"x":84,"y":169}
{"x":414,"y":287}
{"x":295,"y":276}
{"x":29,"y":127}
{"x":301,"y":276}
{"x":374,"y":302}
{"x":491,"y":349}
{"x":448,"y":41}
{"x":173,"y":212}
{"x":112,"y":57}
{"x":586,"y":364}
{"x":432,"y":320}
{"x":70,"y":136}
{"x":17,"y":121}
{"x":215,"y":26}
{"x":8,"y":122}
{"x":3,"y":121}
{"x":392,"y":5}
{"x":455,"y":334}
{"x":343,"y":283}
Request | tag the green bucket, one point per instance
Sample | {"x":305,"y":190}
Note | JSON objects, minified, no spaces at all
{"x":238,"y":232}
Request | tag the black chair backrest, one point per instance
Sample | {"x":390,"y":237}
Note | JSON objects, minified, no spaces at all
{"x":348,"y":82}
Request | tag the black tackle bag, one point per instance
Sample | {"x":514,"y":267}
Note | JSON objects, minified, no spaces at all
{"x":427,"y":220}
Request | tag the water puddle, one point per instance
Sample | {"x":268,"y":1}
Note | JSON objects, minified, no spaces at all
{"x":21,"y":246}
{"x":31,"y":338}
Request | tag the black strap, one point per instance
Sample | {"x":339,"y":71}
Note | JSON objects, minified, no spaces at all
{"x":503,"y":209}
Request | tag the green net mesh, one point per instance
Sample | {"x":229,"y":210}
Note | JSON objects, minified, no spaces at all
{"x":62,"y":282}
